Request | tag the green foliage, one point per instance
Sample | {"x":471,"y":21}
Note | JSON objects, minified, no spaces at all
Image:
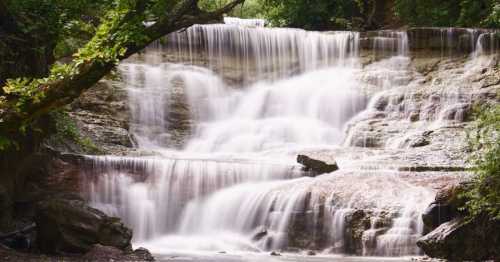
{"x":65,"y":24}
{"x":313,"y":14}
{"x":27,"y":90}
{"x":445,"y":13}
{"x":31,"y":91}
{"x":107,"y":45}
{"x":307,"y":14}
{"x":5,"y":143}
{"x":484,"y":195}
{"x":493,"y":19}
{"x":249,"y":9}
{"x":66,"y":129}
{"x":110,"y":39}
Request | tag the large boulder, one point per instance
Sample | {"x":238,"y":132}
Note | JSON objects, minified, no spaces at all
{"x":459,"y":240}
{"x":70,"y":226}
{"x":445,"y":207}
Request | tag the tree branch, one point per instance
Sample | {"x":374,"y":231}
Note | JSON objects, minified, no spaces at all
{"x":64,"y":91}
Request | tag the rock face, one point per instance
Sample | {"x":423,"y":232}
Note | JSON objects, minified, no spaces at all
{"x":102,"y":114}
{"x":453,"y":237}
{"x":317,"y":166}
{"x":458,"y":240}
{"x":444,"y":208}
{"x":70,"y":226}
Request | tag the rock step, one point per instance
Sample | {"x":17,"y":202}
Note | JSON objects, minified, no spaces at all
{"x":317,"y":165}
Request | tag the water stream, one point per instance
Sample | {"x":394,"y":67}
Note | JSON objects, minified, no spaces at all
{"x":222,"y":175}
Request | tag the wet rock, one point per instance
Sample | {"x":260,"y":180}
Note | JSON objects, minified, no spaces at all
{"x":317,"y":166}
{"x":275,"y":253}
{"x":311,"y":253}
{"x":437,"y":214}
{"x":259,"y":234}
{"x":424,"y":168}
{"x":107,"y":253}
{"x":102,"y":115}
{"x":490,"y":81}
{"x":381,"y":103}
{"x":459,"y":240}
{"x":419,"y":142}
{"x":414,"y":116}
{"x":445,"y":207}
{"x":143,"y":254}
{"x":70,"y":226}
{"x":458,"y":112}
{"x":356,"y":223}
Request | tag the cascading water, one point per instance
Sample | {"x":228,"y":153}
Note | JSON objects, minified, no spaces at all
{"x":264,"y":53}
{"x":222,"y":176}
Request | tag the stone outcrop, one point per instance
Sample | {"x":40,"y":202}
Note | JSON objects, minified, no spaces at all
{"x":70,"y":226}
{"x":102,"y":114}
{"x":98,"y":253}
{"x":317,"y":166}
{"x":454,"y":237}
{"x":107,"y":253}
{"x":459,"y":240}
{"x":444,"y":208}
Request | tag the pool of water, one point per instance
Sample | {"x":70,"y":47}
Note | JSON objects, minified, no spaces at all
{"x":267,"y":257}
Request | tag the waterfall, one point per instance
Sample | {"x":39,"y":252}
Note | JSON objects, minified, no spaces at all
{"x":219,"y":129}
{"x":264,"y":52}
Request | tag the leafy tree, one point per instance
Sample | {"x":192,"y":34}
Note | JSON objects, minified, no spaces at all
{"x":313,"y":14}
{"x":466,"y":13}
{"x":484,"y":194}
{"x":121,"y":31}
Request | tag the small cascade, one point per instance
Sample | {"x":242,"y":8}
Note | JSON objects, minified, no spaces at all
{"x":261,"y":53}
{"x":390,"y":43}
{"x":150,"y":194}
{"x":218,"y":118}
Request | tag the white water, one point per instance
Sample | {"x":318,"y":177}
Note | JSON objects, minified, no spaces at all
{"x":235,"y":175}
{"x":265,"y":53}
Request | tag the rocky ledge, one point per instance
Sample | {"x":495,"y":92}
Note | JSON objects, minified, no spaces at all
{"x":453,"y":236}
{"x":98,"y":253}
{"x":318,"y":164}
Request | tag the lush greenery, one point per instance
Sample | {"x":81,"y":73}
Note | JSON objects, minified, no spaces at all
{"x":369,"y":14}
{"x":484,"y":194}
{"x":465,"y":13}
{"x":66,"y":130}
{"x":35,"y":34}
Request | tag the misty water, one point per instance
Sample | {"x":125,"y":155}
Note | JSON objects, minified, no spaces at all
{"x":218,"y":164}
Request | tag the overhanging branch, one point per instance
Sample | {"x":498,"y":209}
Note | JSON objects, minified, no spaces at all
{"x":64,"y":91}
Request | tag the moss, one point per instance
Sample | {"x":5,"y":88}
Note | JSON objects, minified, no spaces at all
{"x":67,"y":130}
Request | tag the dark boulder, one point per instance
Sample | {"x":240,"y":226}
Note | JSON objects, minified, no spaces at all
{"x":106,"y":253}
{"x":317,"y":166}
{"x":444,"y":208}
{"x":437,"y":214}
{"x":70,"y":226}
{"x":356,"y":223}
{"x":460,"y":240}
